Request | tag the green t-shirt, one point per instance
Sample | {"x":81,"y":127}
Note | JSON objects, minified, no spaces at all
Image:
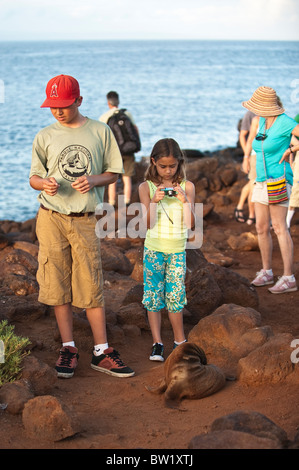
{"x":66,"y":153}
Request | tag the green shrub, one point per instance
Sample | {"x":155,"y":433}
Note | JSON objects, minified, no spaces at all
{"x":12,"y":352}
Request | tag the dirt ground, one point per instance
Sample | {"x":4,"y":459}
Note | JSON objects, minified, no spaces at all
{"x":119,"y":413}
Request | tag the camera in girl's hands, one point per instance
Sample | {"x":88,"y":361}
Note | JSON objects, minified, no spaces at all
{"x":169,"y":191}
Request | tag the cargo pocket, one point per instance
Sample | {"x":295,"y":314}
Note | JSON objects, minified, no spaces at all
{"x":41,"y":276}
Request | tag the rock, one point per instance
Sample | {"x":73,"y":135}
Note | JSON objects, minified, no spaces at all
{"x":39,"y":375}
{"x":252,"y":422}
{"x":114,"y":259}
{"x":203,"y":294}
{"x":47,"y":419}
{"x":229,"y":439}
{"x":235,"y":288}
{"x":134,"y":295}
{"x":133,"y":314}
{"x":15,"y":395}
{"x":246,"y":241}
{"x":16,"y":308}
{"x":228,"y":176}
{"x":269,"y":363}
{"x":230,"y":333}
{"x":26,"y":246}
{"x":137,"y":272}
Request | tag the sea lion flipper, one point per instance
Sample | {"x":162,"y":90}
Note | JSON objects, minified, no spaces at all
{"x":158,"y":390}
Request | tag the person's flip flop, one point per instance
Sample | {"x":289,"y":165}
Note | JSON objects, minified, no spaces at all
{"x":239,"y":216}
{"x":250,"y":220}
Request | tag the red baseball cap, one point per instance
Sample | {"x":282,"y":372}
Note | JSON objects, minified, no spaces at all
{"x":61,"y":91}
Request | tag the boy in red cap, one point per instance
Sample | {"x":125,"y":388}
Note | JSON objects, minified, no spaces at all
{"x":72,"y":162}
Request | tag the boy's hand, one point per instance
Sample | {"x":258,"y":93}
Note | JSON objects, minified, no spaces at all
{"x":50,"y":186}
{"x":83,"y":184}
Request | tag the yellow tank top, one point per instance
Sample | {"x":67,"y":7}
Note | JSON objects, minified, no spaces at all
{"x":169,"y":233}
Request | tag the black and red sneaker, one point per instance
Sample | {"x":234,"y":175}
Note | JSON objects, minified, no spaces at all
{"x":110,"y":363}
{"x":67,"y":362}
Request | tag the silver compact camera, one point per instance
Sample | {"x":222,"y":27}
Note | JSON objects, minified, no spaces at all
{"x":169,"y":191}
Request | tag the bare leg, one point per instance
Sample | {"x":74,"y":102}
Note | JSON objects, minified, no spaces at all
{"x":244,"y":195}
{"x":64,"y":318}
{"x":250,"y":203}
{"x":176,"y":320}
{"x":127,"y":188}
{"x":154,"y":319}
{"x":97,"y":320}
{"x":263,"y":232}
{"x":112,"y":193}
{"x":278,"y":216}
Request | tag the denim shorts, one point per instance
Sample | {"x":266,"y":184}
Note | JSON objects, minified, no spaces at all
{"x":164,"y":281}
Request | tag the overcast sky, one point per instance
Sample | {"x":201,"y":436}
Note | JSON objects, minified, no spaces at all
{"x":153,"y":19}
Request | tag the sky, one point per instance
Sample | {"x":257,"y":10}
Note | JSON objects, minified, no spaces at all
{"x":153,"y":19}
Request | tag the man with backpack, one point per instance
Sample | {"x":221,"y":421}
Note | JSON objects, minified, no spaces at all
{"x":127,"y":136}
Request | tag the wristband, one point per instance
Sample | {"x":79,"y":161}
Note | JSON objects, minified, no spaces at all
{"x":246,"y":156}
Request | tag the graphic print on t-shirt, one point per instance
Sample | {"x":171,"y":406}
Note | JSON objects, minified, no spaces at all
{"x":74,"y":161}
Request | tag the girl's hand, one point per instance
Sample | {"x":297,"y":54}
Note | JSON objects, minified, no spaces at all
{"x":158,"y":196}
{"x":180,"y":193}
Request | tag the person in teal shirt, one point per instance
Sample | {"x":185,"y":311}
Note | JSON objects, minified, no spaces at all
{"x":270,"y":138}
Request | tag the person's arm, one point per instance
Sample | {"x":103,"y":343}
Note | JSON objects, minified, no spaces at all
{"x":248,"y":148}
{"x":49,"y":185}
{"x":85,"y":183}
{"x":187,"y":197}
{"x":242,"y":139}
{"x":149,"y":206}
{"x":291,"y":150}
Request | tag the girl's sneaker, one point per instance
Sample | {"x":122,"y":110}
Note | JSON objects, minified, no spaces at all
{"x":157,"y":352}
{"x":283,"y":285}
{"x":262,"y":278}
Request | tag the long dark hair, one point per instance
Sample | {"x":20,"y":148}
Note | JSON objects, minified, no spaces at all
{"x":166,"y":148}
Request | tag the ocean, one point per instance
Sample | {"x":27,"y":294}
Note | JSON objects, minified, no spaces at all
{"x":189,"y":90}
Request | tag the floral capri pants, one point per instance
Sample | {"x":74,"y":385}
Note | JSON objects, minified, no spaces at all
{"x":164,"y":280}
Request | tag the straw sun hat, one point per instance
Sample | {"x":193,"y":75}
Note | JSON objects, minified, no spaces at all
{"x":264,"y":102}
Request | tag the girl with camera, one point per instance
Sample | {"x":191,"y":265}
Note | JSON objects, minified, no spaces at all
{"x":168,"y":209}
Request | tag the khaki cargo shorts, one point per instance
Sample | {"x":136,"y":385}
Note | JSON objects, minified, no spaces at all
{"x":69,"y":260}
{"x":129,"y":165}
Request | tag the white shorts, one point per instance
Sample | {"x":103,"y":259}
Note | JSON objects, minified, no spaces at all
{"x":260,"y":194}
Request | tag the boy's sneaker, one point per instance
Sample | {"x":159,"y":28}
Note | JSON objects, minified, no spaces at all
{"x":110,"y":363}
{"x":157,"y":352}
{"x":263,"y":279}
{"x":283,"y":285}
{"x":67,"y":362}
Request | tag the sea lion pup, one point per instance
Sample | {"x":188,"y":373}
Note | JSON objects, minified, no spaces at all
{"x":187,"y":375}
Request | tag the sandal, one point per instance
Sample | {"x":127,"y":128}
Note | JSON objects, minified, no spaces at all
{"x":250,"y":221}
{"x":239,"y":216}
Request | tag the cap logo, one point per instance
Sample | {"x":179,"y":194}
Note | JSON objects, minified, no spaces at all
{"x":54,"y":93}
